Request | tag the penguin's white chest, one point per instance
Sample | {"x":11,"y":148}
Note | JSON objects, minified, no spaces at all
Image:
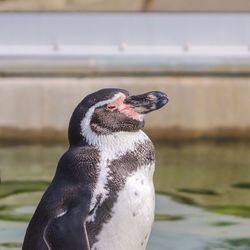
{"x":132,"y":214}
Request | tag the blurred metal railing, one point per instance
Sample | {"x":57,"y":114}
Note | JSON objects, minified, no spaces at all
{"x":124,"y":43}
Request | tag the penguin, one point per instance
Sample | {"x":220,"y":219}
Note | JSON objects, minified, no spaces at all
{"x":102,"y":195}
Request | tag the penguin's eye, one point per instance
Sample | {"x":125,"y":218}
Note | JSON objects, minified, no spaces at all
{"x":110,"y":107}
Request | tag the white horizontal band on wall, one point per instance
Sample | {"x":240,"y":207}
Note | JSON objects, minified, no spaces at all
{"x":95,"y":43}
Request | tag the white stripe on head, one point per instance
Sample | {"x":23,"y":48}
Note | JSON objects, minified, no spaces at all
{"x":86,"y":131}
{"x":91,"y":137}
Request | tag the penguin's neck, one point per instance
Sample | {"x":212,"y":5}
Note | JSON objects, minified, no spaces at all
{"x":118,"y":143}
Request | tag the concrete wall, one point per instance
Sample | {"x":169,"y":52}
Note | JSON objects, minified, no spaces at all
{"x":40,"y":108}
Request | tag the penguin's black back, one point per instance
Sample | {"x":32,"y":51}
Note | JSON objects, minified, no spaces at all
{"x":75,"y":176}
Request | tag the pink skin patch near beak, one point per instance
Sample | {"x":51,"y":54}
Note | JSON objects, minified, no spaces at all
{"x":124,"y":108}
{"x":129,"y":111}
{"x":115,"y":105}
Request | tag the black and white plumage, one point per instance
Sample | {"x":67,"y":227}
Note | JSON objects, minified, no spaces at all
{"x":102,"y":195}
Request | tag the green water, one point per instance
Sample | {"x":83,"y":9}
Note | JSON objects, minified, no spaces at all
{"x":202,"y":202}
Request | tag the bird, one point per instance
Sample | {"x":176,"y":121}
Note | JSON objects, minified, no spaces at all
{"x":102,"y":194}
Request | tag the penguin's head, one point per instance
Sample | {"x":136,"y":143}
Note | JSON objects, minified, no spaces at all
{"x":110,"y":111}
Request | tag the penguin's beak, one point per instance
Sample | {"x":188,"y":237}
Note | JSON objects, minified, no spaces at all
{"x":147,"y":102}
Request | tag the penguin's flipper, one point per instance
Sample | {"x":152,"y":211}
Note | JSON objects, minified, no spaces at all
{"x":67,"y":232}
